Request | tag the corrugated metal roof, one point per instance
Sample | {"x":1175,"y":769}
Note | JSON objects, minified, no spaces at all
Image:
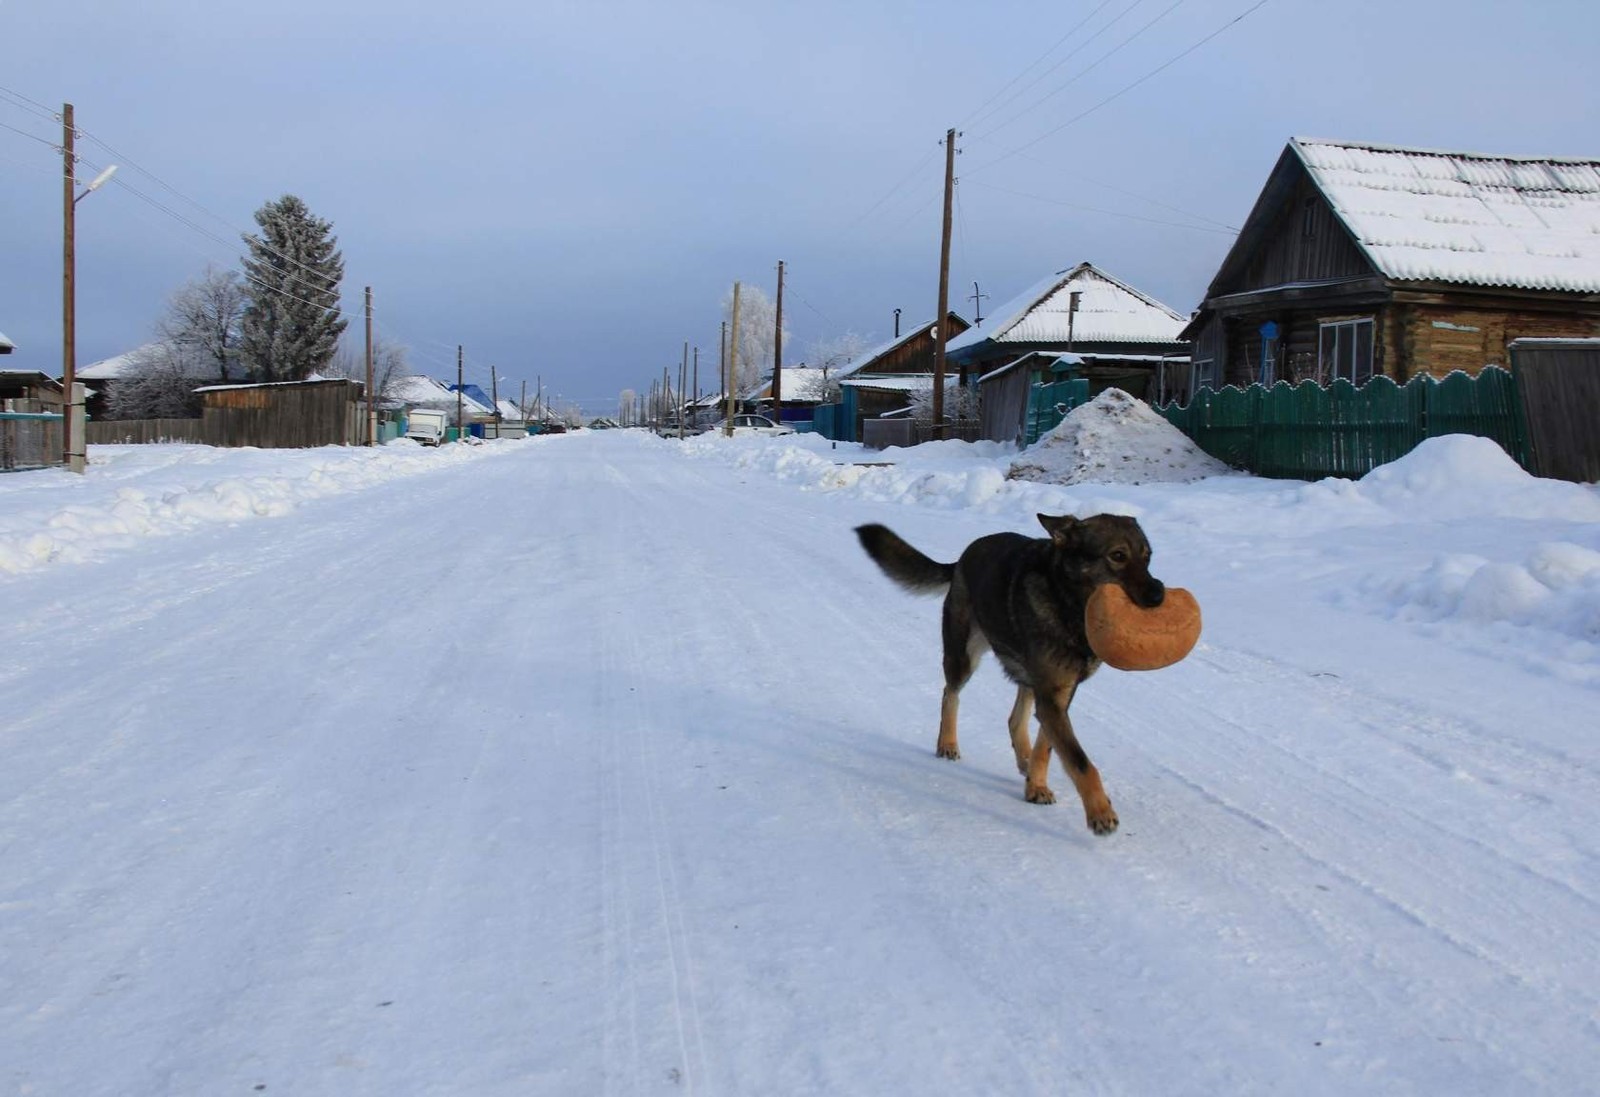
{"x":1109,"y":311}
{"x":1424,"y":215}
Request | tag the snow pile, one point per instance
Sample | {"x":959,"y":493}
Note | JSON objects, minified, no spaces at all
{"x":1115,"y":439}
{"x":1463,"y":476}
{"x":132,"y":492}
{"x":1556,"y":588}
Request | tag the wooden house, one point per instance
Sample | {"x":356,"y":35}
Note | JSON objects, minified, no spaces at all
{"x":880,"y":381}
{"x":1122,"y":335}
{"x":1359,"y":260}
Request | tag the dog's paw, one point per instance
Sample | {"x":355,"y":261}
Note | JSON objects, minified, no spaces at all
{"x":1039,"y":794}
{"x":1103,"y":823}
{"x":951,"y":752}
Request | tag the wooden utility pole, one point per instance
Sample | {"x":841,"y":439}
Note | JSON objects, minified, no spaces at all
{"x":940,"y":325}
{"x":733,"y":363}
{"x":777,"y":354}
{"x":683,"y":387}
{"x":522,"y":405}
{"x":460,"y":380}
{"x":697,"y":383}
{"x":372,"y":397}
{"x":494,"y":397}
{"x":69,"y":350}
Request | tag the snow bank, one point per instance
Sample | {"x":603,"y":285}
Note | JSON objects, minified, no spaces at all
{"x":132,"y":492}
{"x":1115,"y":439}
{"x":1464,"y":476}
{"x":1556,"y":588}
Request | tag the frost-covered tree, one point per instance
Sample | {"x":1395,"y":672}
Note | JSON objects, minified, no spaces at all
{"x":757,"y":326}
{"x":158,"y":382}
{"x":205,"y":318}
{"x":627,"y":407}
{"x":959,"y":403}
{"x":291,"y":321}
{"x":831,"y":354}
{"x":389,"y":363}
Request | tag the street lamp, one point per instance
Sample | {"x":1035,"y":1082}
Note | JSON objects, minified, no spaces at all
{"x":69,"y":360}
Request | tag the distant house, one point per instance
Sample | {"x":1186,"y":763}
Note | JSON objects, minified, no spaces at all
{"x":880,"y":381}
{"x":1359,"y":260}
{"x":804,"y":387}
{"x":1122,"y":335}
{"x":424,"y":392}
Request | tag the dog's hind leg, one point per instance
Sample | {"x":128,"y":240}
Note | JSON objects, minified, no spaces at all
{"x":1021,"y":712}
{"x":963,"y":646}
{"x":1056,"y":728}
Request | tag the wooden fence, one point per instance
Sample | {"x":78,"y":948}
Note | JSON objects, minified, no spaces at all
{"x":1306,"y":432}
{"x":1559,"y":380}
{"x":265,"y":416}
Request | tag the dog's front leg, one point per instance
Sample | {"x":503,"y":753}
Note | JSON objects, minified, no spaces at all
{"x":1056,"y":727}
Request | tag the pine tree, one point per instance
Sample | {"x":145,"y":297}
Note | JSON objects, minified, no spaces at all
{"x":291,"y":323}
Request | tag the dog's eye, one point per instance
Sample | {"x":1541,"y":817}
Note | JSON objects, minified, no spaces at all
{"x":1119,"y":556}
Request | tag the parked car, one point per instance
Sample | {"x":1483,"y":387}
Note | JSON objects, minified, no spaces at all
{"x":425,"y":425}
{"x":752,"y":424}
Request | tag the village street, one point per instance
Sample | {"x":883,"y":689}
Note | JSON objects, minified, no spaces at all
{"x":592,"y":767}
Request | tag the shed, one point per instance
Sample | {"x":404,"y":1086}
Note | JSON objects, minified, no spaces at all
{"x":1361,"y":259}
{"x":1122,"y":334}
{"x":284,"y":414}
{"x":1003,"y":393}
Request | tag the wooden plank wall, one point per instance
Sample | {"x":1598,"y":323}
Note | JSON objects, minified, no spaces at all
{"x":1560,"y":388}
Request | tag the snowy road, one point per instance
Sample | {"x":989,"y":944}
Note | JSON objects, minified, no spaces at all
{"x":591,"y":768}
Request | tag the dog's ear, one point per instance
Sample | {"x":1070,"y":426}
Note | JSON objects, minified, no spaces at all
{"x":1063,"y":529}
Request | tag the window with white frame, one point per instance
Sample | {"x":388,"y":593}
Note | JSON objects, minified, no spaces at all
{"x":1345,"y":350}
{"x":1202,"y":375}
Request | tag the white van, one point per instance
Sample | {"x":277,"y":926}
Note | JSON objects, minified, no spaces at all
{"x":425,"y":426}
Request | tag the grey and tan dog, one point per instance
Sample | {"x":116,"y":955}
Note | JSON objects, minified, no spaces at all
{"x":1023,"y":598}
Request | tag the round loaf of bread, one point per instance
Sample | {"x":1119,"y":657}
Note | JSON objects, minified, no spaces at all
{"x":1130,"y":637}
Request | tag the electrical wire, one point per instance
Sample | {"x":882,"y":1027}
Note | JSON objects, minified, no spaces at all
{"x":1113,"y":97}
{"x":1106,"y":212}
{"x":1102,"y":59}
{"x":983,"y":112}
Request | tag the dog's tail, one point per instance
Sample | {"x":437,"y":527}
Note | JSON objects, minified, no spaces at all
{"x":902,"y":563}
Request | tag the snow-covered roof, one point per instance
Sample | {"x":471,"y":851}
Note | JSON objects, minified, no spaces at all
{"x":109,"y":368}
{"x":866,"y":358}
{"x":1050,"y":356}
{"x":419,"y":391}
{"x":1109,"y":311}
{"x":800,"y":383}
{"x":509,"y":409}
{"x":902,"y":382}
{"x":6,"y":345}
{"x":314,"y":379}
{"x":1436,"y":216}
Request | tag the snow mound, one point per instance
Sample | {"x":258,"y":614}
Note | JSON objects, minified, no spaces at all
{"x":1557,"y":588}
{"x":1464,"y":476}
{"x":1115,"y":439}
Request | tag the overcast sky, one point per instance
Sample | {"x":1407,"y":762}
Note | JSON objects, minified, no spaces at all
{"x":571,"y":189}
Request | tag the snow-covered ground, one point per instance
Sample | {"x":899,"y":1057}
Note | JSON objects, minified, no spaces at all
{"x":603,"y":763}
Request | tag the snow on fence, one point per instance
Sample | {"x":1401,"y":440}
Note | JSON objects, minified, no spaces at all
{"x":1306,"y":432}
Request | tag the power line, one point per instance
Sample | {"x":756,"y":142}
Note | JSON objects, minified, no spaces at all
{"x":982,"y":111}
{"x":32,"y":136}
{"x":1102,"y":59}
{"x":1106,"y":212}
{"x":1119,"y":94}
{"x":30,"y":104}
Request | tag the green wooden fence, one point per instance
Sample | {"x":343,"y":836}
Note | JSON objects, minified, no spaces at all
{"x":1306,"y":432}
{"x":1049,"y":403}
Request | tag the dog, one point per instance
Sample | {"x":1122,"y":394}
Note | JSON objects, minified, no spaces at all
{"x":1023,"y":598}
